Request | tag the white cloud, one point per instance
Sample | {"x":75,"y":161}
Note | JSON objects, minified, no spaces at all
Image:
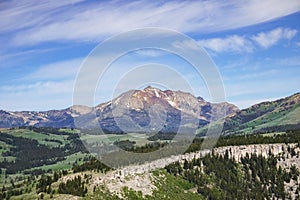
{"x":268,"y":39}
{"x":288,"y":61}
{"x":240,"y":44}
{"x":233,"y":43}
{"x":36,"y":87}
{"x":185,"y":45}
{"x":17,"y":14}
{"x":96,"y":21}
{"x":150,"y":52}
{"x":263,"y":74}
{"x":56,"y":71}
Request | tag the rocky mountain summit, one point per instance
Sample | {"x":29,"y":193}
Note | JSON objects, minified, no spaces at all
{"x":150,"y":109}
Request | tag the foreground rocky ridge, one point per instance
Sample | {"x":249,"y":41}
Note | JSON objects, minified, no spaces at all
{"x":140,"y":177}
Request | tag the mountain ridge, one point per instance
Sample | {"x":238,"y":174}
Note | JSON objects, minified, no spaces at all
{"x":266,"y":116}
{"x":171,"y":107}
{"x":153,"y":110}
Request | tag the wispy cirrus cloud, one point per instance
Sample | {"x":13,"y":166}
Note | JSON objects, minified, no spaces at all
{"x":150,"y":52}
{"x":17,"y":14}
{"x":242,"y":44}
{"x":233,"y":43}
{"x":39,"y":80}
{"x":268,"y":39}
{"x":56,"y":71}
{"x":37,"y":96}
{"x":94,"y":21}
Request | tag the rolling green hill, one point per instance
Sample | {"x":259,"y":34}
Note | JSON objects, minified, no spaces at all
{"x":270,"y":116}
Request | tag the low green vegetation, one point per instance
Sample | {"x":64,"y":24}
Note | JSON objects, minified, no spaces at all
{"x":167,"y":187}
{"x":69,"y":161}
{"x":92,"y":164}
{"x":292,"y":136}
{"x":74,"y":186}
{"x":289,"y":137}
{"x":173,"y":187}
{"x":270,"y":116}
{"x":139,"y":138}
{"x":36,"y":148}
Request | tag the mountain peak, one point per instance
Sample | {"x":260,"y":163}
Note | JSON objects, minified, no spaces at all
{"x":149,"y":87}
{"x":153,"y":91}
{"x":145,"y":107}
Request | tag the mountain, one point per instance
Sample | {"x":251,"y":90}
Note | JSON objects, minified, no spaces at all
{"x":152,"y":109}
{"x":146,"y":110}
{"x":270,"y":116}
{"x":51,"y":118}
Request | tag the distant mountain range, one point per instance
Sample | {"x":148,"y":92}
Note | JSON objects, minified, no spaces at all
{"x":152,"y":110}
{"x":146,"y":110}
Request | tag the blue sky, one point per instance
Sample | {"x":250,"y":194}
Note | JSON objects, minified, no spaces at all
{"x":254,"y":44}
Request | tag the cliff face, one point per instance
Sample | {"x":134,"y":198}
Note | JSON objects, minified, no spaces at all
{"x":238,"y":152}
{"x":138,"y":177}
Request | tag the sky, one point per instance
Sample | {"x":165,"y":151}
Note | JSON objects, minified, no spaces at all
{"x":255,"y":46}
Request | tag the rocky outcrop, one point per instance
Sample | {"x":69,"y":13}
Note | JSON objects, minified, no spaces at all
{"x":287,"y":155}
{"x":238,"y":152}
{"x":139,"y":177}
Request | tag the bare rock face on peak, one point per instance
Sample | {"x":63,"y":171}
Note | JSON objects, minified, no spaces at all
{"x":152,"y":110}
{"x":147,"y":110}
